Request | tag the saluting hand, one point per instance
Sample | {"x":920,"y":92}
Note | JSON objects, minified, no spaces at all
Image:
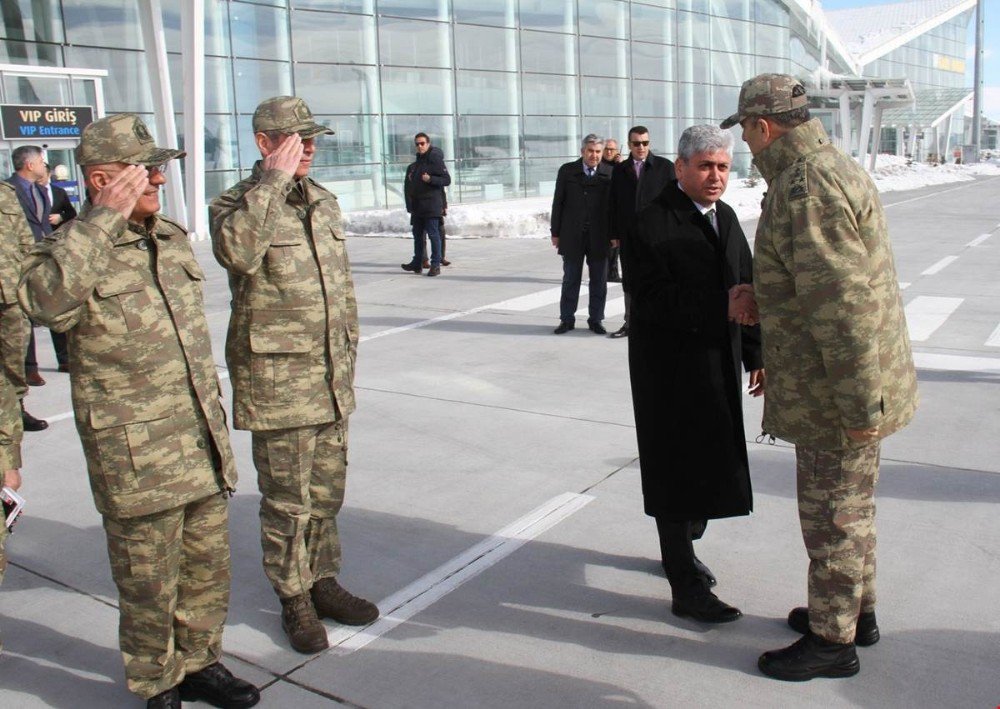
{"x":12,"y":479}
{"x":286,"y":156}
{"x":124,"y":190}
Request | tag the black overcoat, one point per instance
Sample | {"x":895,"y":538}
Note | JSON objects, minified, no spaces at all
{"x":685,"y":357}
{"x":580,"y":210}
{"x":629,"y":195}
{"x":426,"y":199}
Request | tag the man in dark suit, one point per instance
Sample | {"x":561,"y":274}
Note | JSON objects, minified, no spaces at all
{"x":690,"y":331}
{"x":637,"y":181}
{"x":61,"y":209}
{"x":30,"y":171}
{"x":579,"y":225}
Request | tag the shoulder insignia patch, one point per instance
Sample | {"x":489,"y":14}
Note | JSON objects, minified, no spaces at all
{"x":797,"y":184}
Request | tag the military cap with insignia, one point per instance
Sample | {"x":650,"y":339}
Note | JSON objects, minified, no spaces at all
{"x":766,"y":95}
{"x":121,"y":138}
{"x":287,"y":114}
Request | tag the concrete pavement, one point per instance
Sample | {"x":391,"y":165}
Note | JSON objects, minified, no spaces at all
{"x":493,"y":498}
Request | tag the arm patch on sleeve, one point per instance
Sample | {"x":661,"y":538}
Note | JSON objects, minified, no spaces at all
{"x":798,"y":185}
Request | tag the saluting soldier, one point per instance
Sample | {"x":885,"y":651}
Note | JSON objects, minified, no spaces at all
{"x":840,"y":374}
{"x":291,"y":347}
{"x":16,"y":240}
{"x":122,"y":281}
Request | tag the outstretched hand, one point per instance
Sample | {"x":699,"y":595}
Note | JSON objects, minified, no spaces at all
{"x":123,"y":190}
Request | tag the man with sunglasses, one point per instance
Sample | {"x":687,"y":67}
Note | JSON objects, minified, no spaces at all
{"x":423,"y":189}
{"x":635,"y":182}
{"x":292,"y":342}
{"x":122,"y":282}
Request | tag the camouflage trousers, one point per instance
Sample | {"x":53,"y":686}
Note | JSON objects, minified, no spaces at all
{"x":172,"y":573}
{"x":836,"y":491}
{"x":301,"y":473}
{"x":15,"y":329}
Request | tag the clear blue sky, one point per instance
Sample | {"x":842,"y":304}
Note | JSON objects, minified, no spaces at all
{"x":991,"y":62}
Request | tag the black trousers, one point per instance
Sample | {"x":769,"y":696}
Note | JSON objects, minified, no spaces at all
{"x":58,"y":344}
{"x":677,"y":552}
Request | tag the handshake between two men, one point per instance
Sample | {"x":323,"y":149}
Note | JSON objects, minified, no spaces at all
{"x":742,"y":305}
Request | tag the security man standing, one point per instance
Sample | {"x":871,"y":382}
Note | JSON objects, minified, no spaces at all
{"x":291,"y":347}
{"x":840,"y":374}
{"x":122,"y":282}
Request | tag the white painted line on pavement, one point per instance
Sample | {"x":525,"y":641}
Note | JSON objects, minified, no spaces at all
{"x":611,"y":309}
{"x":926,"y":313}
{"x":956,"y":363}
{"x":978,"y":240}
{"x":531,"y":301}
{"x":939,"y":266}
{"x":994,"y":339}
{"x":59,"y":417}
{"x":419,"y":595}
{"x":903,"y":285}
{"x":925,"y":196}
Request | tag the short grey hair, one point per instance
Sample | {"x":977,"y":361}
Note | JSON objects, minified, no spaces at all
{"x":591,"y":139}
{"x":25,"y":154}
{"x":705,"y":138}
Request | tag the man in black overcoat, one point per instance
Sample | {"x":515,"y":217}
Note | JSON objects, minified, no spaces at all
{"x":685,"y":262}
{"x":636,"y":182}
{"x":579,"y":226}
{"x":423,"y":189}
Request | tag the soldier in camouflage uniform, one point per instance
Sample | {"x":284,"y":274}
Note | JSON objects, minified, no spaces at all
{"x":291,"y":347}
{"x":10,"y":456}
{"x":16,"y":241}
{"x":122,"y":282}
{"x":840,"y":374}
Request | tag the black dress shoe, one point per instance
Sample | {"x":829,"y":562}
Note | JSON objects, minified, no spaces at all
{"x":445,"y":262}
{"x":808,"y":657}
{"x":564,"y":326}
{"x":411,"y":267}
{"x":434,"y":271}
{"x":217,"y":686}
{"x":63,"y":368}
{"x":705,"y":573}
{"x":705,"y":607}
{"x":34,"y":379}
{"x":170,"y":699}
{"x":30,"y":423}
{"x":865,"y":635}
{"x":620,"y":332}
{"x":597,"y":328}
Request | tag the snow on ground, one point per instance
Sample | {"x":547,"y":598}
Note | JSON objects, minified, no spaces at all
{"x":529,"y":218}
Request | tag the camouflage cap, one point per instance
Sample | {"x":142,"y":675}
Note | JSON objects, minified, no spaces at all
{"x":767,"y":94}
{"x":121,"y":138}
{"x":287,"y":114}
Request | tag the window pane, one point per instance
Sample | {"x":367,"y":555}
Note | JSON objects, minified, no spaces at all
{"x":604,"y":97}
{"x":540,"y":176}
{"x":425,"y":9}
{"x":694,"y":64}
{"x":770,"y":11}
{"x":356,"y":186}
{"x":731,"y":35}
{"x":259,"y":32}
{"x":725,"y":100}
{"x":652,"y":61}
{"x":216,"y":26}
{"x":490,"y":92}
{"x":221,"y":146}
{"x":653,"y":98}
{"x":694,"y":30}
{"x":366,"y":7}
{"x":218,"y":84}
{"x":548,"y":94}
{"x":414,"y":43}
{"x":603,"y":18}
{"x":102,"y":22}
{"x":608,"y":128}
{"x":551,"y":53}
{"x":481,"y":180}
{"x":663,"y":134}
{"x":126,"y":87}
{"x":37,"y":89}
{"x":652,"y":24}
{"x":357,"y":139}
{"x":731,"y":69}
{"x":551,"y":136}
{"x":332,"y":37}
{"x":12,"y":52}
{"x":399,"y":132}
{"x":488,"y":137}
{"x":416,"y":90}
{"x":33,"y":20}
{"x":485,"y":48}
{"x":771,"y":41}
{"x":603,"y":57}
{"x":338,"y":89}
{"x":256,"y":81}
{"x":218,"y":182}
{"x":696,"y":101}
{"x":551,"y":15}
{"x":501,"y":13}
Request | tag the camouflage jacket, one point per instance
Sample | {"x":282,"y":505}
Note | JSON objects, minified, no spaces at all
{"x":836,"y":347}
{"x":10,"y":428}
{"x":145,"y":386}
{"x":16,"y":241}
{"x":293,"y":333}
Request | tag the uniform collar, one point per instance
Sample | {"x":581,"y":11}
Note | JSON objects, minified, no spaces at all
{"x":796,"y":143}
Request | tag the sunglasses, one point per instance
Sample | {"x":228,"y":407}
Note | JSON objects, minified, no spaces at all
{"x":420,"y":142}
{"x":638,"y":143}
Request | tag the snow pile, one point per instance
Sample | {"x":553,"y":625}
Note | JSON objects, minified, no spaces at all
{"x":529,"y":218}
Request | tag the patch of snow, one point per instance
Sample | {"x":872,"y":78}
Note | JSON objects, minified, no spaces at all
{"x":529,"y":218}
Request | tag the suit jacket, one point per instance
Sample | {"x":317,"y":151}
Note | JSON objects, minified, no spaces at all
{"x":61,"y":204}
{"x":629,"y":195}
{"x":580,"y":210}
{"x":39,"y":227}
{"x":685,"y":357}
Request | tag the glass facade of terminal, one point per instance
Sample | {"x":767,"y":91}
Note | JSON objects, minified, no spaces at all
{"x":934,"y":60}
